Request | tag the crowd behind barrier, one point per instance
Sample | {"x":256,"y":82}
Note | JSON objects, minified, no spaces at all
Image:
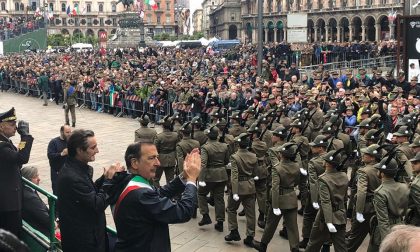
{"x":14,"y":28}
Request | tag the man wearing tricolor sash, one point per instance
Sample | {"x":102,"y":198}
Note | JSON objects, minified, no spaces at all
{"x":142,"y":212}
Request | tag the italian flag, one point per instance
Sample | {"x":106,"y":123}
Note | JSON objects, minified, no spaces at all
{"x":135,"y":183}
{"x":75,"y":10}
{"x":152,"y":3}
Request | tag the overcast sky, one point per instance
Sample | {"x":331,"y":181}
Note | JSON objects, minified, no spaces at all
{"x":194,"y":4}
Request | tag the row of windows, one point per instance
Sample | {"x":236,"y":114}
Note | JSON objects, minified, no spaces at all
{"x":33,"y":7}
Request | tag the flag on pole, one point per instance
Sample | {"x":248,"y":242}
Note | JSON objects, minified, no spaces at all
{"x":152,"y":4}
{"x":75,"y":10}
{"x":50,"y":13}
{"x":68,"y":9}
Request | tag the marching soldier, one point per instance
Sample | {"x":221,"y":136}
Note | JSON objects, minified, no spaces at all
{"x":404,"y":153}
{"x":316,"y":121}
{"x":285,"y":175}
{"x":300,"y":139}
{"x":328,"y":131}
{"x":198,"y":134}
{"x":332,"y":213}
{"x":166,"y":145}
{"x":259,"y":147}
{"x":185,"y":146}
{"x":390,"y":201}
{"x":315,"y":169}
{"x":264,"y":121}
{"x":363,"y":128}
{"x":367,"y":183}
{"x":413,"y":215}
{"x":415,"y":146}
{"x":243,"y":164}
{"x":144,"y":133}
{"x":337,"y":122}
{"x":177,"y":124}
{"x":236,"y":128}
{"x":213,"y":177}
{"x":249,"y":116}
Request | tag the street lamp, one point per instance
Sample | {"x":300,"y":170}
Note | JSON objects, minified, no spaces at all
{"x":392,"y":15}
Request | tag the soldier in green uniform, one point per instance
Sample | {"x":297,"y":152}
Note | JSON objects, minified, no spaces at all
{"x":330,"y":221}
{"x":144,"y":133}
{"x":166,"y":145}
{"x":364,"y":127}
{"x":177,"y":124}
{"x":336,"y":123}
{"x":285,"y":176}
{"x":404,"y":153}
{"x":390,"y":201}
{"x":415,"y":146}
{"x":185,"y":146}
{"x":315,"y":169}
{"x":213,"y":177}
{"x":243,"y":164}
{"x":264,"y":121}
{"x":367,"y":182}
{"x":329,"y":131}
{"x":259,"y":147}
{"x":249,"y":117}
{"x":198,"y":134}
{"x":235,"y":121}
{"x":316,"y":121}
{"x":413,"y":215}
{"x":303,"y":142}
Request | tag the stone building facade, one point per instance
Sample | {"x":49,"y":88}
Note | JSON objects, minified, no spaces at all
{"x":197,"y":19}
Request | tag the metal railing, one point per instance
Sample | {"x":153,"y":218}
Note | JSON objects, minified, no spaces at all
{"x":20,"y":29}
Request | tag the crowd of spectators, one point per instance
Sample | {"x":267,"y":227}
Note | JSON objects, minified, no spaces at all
{"x":13,"y":27}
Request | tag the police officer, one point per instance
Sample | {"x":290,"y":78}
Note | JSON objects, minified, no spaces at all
{"x":315,"y":169}
{"x":390,"y":201}
{"x":213,"y":177}
{"x":285,"y":176}
{"x":259,"y":147}
{"x":243,"y":164}
{"x":185,"y":146}
{"x":166,"y":145}
{"x":198,"y":134}
{"x":144,"y":133}
{"x":236,"y":129}
{"x":11,"y":161}
{"x":367,"y":182}
{"x":331,"y":216}
{"x":413,"y":216}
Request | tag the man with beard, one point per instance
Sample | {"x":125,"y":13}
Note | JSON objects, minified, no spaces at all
{"x":57,"y":154}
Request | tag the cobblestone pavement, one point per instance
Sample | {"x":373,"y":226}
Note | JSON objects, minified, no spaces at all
{"x":113,"y":136}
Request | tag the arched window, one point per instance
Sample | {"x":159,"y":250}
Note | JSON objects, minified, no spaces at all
{"x":114,"y":8}
{"x":16,"y":6}
{"x":101,"y":7}
{"x":88,"y":8}
{"x":22,"y":7}
{"x":3,"y":6}
{"x":51,"y":6}
{"x":63,"y":7}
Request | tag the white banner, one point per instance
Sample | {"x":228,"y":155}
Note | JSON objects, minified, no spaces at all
{"x":297,"y":20}
{"x":297,"y":35}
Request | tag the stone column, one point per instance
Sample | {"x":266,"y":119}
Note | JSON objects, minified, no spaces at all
{"x":275,"y":34}
{"x":377,"y":32}
{"x":316,"y":33}
{"x":339,"y":33}
{"x":275,"y":6}
{"x":327,"y":28}
{"x":266,"y":34}
{"x":254,"y":35}
{"x":391,"y":30}
{"x":351,"y":33}
{"x":363,"y":33}
{"x":285,"y":34}
{"x":265,"y":4}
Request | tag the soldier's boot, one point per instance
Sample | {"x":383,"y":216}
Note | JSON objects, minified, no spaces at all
{"x":249,"y":241}
{"x":260,"y":246}
{"x":300,"y":211}
{"x":303,"y":243}
{"x":261,"y":222}
{"x":233,"y":236}
{"x":283,"y":233}
{"x":242,"y":213}
{"x":325,"y":247}
{"x":219,"y":226}
{"x":205,"y":220}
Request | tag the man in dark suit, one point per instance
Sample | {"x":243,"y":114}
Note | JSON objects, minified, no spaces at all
{"x":142,"y":212}
{"x":11,"y":160}
{"x":34,"y":210}
{"x":81,"y":202}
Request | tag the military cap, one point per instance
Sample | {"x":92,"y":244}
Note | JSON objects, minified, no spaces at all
{"x":196,"y":121}
{"x":297,"y":124}
{"x":328,"y":129}
{"x":263,"y":119}
{"x":289,"y":150}
{"x":176,"y":117}
{"x":403,"y":131}
{"x":373,"y":135}
{"x":312,"y":101}
{"x":330,"y":113}
{"x":366,"y":123}
{"x":212,"y":132}
{"x":334,"y":72}
{"x":319,"y":141}
{"x":373,"y":150}
{"x":291,"y":96}
{"x":375,"y":118}
{"x":335,"y":120}
{"x":388,"y":165}
{"x":271,"y":97}
{"x":221,"y":123}
{"x":217,"y":112}
{"x":144,"y":119}
{"x":186,"y":128}
{"x":166,"y":121}
{"x":280,"y":131}
{"x":347,"y":92}
{"x":367,"y":111}
{"x":416,"y":158}
{"x":8,"y":116}
{"x":254,"y":128}
{"x":362,"y":71}
{"x":235,"y":116}
{"x":242,"y":137}
{"x":333,"y":157}
{"x":350,"y":108}
{"x":416,"y":142}
{"x":250,"y":110}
